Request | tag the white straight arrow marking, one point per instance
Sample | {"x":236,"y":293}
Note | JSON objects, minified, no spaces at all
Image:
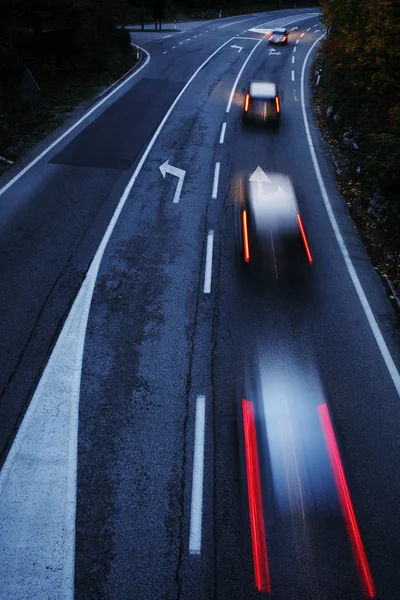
{"x":239,"y":48}
{"x":180,"y":173}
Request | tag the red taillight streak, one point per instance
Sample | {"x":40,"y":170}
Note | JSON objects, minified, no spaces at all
{"x":303,"y":234}
{"x":346,"y":503}
{"x":284,"y":38}
{"x":278,"y":108}
{"x":246,"y":103}
{"x":258,"y":540}
{"x":246,"y":249}
{"x":270,"y":37}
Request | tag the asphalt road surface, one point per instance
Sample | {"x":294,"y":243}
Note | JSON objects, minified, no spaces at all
{"x":169,"y":427}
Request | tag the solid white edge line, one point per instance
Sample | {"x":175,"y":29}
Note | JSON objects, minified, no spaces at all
{"x":196,"y":508}
{"x":391,"y":367}
{"x":209,"y":255}
{"x":228,"y":108}
{"x":215,"y":182}
{"x":236,"y":22}
{"x":74,"y":126}
{"x":292,"y":75}
{"x":86,"y":292}
{"x":222,"y":136}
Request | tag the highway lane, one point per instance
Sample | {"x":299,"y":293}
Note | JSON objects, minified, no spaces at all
{"x":54,"y":216}
{"x":156,"y":341}
{"x":319,"y":327}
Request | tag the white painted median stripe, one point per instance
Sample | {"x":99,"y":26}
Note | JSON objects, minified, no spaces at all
{"x":38,"y":479}
{"x":216,"y":179}
{"x":196,"y":509}
{"x":75,"y":125}
{"x":209,"y":255}
{"x":228,"y":108}
{"x":389,"y":362}
{"x":222,"y":136}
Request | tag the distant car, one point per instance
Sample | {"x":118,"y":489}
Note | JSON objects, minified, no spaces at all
{"x":270,"y":235}
{"x":262,"y":104}
{"x":278,"y":36}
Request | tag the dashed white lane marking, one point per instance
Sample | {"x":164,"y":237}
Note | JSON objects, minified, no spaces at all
{"x":389,"y":362}
{"x":165,"y":52}
{"x":309,"y":29}
{"x":292,"y":75}
{"x":293,"y":59}
{"x":228,"y":108}
{"x":297,"y":41}
{"x":209,"y":255}
{"x":74,"y":126}
{"x":180,"y":43}
{"x":38,"y":495}
{"x":206,"y":31}
{"x":166,"y":36}
{"x":173,"y":47}
{"x":302,"y":35}
{"x":317,"y":30}
{"x":196,"y":509}
{"x":294,"y":49}
{"x":222,"y":136}
{"x":187,"y":39}
{"x":316,"y":25}
{"x":195,"y":36}
{"x":216,"y":179}
{"x":294,"y":96}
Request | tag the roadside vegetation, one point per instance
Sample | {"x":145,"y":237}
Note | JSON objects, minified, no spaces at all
{"x":54,"y":54}
{"x":358,"y":107}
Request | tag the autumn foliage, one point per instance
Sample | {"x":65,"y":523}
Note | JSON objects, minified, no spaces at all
{"x":361,"y":79}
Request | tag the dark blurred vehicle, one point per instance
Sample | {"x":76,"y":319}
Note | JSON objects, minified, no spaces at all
{"x":262,"y":104}
{"x":278,"y":36}
{"x":270,"y":235}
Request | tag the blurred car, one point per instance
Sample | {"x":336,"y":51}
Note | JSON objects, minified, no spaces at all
{"x":278,"y":36}
{"x":262,"y":104}
{"x":269,"y":231}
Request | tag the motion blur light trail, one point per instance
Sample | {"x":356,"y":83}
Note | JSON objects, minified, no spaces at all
{"x":346,"y":503}
{"x":259,"y":543}
{"x":303,"y":234}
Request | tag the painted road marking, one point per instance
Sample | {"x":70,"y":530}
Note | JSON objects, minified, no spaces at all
{"x":196,"y":509}
{"x":215,"y":182}
{"x":209,"y":255}
{"x":293,"y":59}
{"x":228,"y":108}
{"x":222,"y":136}
{"x":292,"y":75}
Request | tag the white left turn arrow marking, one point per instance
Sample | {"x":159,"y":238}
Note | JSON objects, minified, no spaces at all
{"x":272,"y":51}
{"x":180,"y":173}
{"x":239,"y":48}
